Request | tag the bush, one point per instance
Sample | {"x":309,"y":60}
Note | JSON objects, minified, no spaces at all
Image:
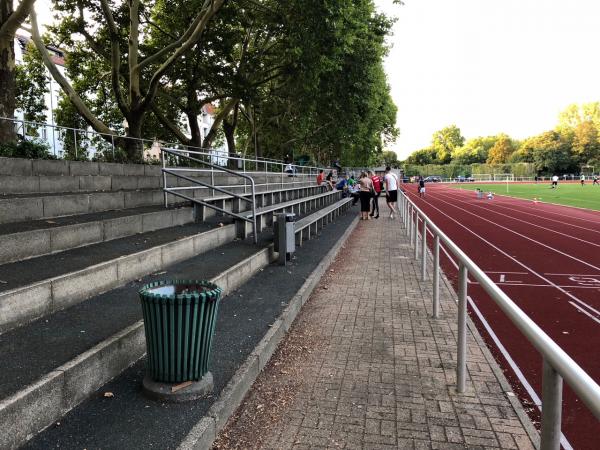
{"x":26,"y":149}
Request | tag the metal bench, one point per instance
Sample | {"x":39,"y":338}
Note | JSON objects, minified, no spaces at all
{"x":305,"y":225}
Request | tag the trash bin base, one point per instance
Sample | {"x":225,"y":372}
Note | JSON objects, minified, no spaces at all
{"x":169,"y":392}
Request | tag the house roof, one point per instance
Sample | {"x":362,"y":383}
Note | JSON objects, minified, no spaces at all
{"x":56,"y":54}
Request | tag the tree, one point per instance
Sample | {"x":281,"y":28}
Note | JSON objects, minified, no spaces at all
{"x":586,"y":146}
{"x":31,"y":87}
{"x":385,"y":159}
{"x":445,"y":141}
{"x":548,"y":152}
{"x":10,"y":21}
{"x":422,"y":157}
{"x":136,"y":84}
{"x":501,"y":150}
{"x":474,"y":150}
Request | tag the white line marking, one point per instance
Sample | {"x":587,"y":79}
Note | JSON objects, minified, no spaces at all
{"x":511,"y":362}
{"x":518,"y":234}
{"x":502,"y":278}
{"x":581,"y":302}
{"x":573,"y":274}
{"x":585,"y":312}
{"x":519,"y":220}
{"x":505,"y":271}
{"x":518,"y":283}
{"x":540,"y":216}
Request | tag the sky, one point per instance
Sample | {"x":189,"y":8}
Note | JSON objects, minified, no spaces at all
{"x":489,"y":66}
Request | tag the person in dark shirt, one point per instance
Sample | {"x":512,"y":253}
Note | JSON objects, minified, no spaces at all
{"x":421,"y":187}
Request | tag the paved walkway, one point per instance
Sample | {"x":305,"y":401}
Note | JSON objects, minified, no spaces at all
{"x":366,"y":367}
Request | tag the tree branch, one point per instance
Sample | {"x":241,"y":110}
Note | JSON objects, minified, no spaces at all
{"x":115,"y":60}
{"x":132,"y":56}
{"x":81,"y":107}
{"x":16,"y":19}
{"x":217,"y":123}
{"x":209,"y":9}
{"x":170,"y":125}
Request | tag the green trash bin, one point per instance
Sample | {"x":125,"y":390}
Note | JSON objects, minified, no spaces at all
{"x":179,"y":323}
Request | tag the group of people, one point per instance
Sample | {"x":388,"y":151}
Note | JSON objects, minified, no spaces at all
{"x":366,"y":189}
{"x":554,"y":184}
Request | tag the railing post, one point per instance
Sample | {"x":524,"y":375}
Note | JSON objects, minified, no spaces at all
{"x":416,"y":235}
{"x":112,"y":138}
{"x":164,"y":165}
{"x":436,"y":276}
{"x":424,"y":250}
{"x":461,"y":353}
{"x":212,"y":179}
{"x":552,"y":386}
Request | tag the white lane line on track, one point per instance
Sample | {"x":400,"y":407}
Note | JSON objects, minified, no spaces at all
{"x":507,"y":203}
{"x":518,"y":283}
{"x":578,"y":308}
{"x":525,"y":222}
{"x":513,"y":365}
{"x":581,"y":302}
{"x":573,"y":274}
{"x":510,"y":200}
{"x":506,"y":272}
{"x":518,"y":234}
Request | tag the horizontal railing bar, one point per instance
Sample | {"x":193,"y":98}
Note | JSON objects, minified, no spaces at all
{"x":581,"y":383}
{"x":208,"y":205}
{"x":205,"y":185}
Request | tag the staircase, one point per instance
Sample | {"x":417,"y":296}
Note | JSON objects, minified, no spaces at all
{"x":77,"y":240}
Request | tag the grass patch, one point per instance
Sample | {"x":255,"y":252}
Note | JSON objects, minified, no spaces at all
{"x":570,"y":194}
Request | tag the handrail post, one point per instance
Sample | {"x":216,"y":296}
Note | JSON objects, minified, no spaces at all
{"x":436,"y":276}
{"x":552,"y":387}
{"x":424,"y":250}
{"x":254,"y":210}
{"x":461,"y":353}
{"x":416,"y":235}
{"x":164,"y":166}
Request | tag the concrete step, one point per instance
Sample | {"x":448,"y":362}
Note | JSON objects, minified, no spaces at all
{"x":54,"y":363}
{"x":46,"y":284}
{"x":28,"y":239}
{"x":23,"y":240}
{"x":20,"y":208}
{"x":251,"y":321}
{"x":37,"y":206}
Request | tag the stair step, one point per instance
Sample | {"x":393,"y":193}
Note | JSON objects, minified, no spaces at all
{"x":57,"y":361}
{"x":129,"y":420}
{"x":45,"y":284}
{"x":23,"y":240}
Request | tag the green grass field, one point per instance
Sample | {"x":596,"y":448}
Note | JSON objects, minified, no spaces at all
{"x":571,"y":194}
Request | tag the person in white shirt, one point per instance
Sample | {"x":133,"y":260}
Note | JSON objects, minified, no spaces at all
{"x":554,"y":182}
{"x":391,"y":190}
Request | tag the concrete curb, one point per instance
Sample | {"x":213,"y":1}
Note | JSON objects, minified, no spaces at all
{"x":204,"y":432}
{"x":42,"y":403}
{"x":27,"y":303}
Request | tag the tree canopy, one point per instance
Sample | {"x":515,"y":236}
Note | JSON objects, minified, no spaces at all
{"x":301,"y":77}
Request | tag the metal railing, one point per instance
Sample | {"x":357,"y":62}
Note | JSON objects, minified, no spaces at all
{"x":176,"y":190}
{"x":89,"y":142}
{"x":557,"y":365}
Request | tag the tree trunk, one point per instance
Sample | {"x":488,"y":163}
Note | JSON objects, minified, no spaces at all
{"x":7,"y":80}
{"x":134,"y":146}
{"x":196,"y":132}
{"x":229,"y":131}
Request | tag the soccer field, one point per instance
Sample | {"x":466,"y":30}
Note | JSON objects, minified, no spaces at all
{"x":570,"y":194}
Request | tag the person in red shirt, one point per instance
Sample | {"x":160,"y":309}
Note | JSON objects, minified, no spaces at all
{"x":320,"y":177}
{"x":377,"y":191}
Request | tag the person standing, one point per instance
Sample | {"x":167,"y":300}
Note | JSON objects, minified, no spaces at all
{"x":376,"y":192}
{"x":595,"y":183}
{"x":391,"y":189}
{"x":421,"y":187}
{"x":554,"y":182}
{"x":582,"y":179}
{"x":366,"y":186}
{"x":320,"y":177}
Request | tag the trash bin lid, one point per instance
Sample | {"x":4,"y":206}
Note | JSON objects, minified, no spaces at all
{"x":178,"y":288}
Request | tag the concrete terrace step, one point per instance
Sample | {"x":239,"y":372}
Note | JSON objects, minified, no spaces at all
{"x":22,"y":240}
{"x":249,"y":326}
{"x":42,"y":285}
{"x":19,"y":208}
{"x":55,"y":362}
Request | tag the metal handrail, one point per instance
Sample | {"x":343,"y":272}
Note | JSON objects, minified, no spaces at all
{"x":557,"y":364}
{"x":167,"y":190}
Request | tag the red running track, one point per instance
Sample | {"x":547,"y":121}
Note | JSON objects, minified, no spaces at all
{"x":547,"y":259}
